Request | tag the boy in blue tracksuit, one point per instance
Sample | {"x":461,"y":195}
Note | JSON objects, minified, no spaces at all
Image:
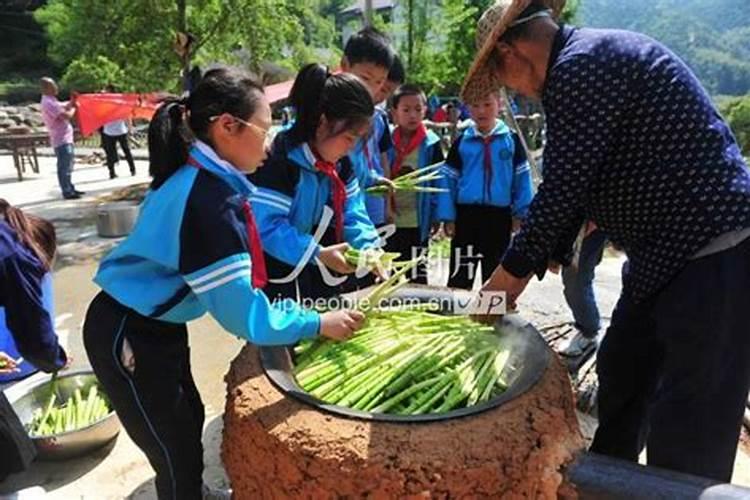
{"x":414,"y":148}
{"x":195,"y":249}
{"x":369,"y":56}
{"x":307,"y":172}
{"x":489,"y":182}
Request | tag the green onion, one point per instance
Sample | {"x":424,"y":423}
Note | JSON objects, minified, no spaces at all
{"x":408,"y":362}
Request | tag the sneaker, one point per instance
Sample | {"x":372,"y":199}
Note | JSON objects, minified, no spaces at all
{"x":576,"y":346}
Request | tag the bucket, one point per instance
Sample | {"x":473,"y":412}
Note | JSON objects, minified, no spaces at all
{"x":114,"y":220}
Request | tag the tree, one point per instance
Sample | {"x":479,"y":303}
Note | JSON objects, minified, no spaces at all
{"x":91,"y":74}
{"x":444,"y":41}
{"x":137,"y":36}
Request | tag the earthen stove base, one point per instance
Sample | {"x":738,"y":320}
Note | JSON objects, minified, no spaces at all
{"x":277,"y":447}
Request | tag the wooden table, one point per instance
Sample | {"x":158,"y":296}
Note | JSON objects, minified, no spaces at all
{"x":23,"y":147}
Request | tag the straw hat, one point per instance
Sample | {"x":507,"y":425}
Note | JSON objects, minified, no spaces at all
{"x":480,"y":81}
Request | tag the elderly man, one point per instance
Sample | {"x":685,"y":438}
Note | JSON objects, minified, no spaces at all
{"x":56,"y":116}
{"x":636,"y":146}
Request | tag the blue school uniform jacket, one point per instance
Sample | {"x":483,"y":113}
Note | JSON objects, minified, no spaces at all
{"x":430,"y":153}
{"x":466,"y":180}
{"x":289,"y":199}
{"x":27,"y":318}
{"x":189,"y":253}
{"x":378,"y":142}
{"x":8,"y":344}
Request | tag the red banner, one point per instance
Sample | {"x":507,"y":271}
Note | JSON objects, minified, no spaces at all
{"x":96,"y":110}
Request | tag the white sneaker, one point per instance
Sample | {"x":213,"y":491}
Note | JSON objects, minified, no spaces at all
{"x":576,"y":346}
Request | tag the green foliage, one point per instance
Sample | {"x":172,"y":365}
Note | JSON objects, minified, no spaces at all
{"x":444,"y":44}
{"x":137,"y":36}
{"x":570,"y":13}
{"x":712,"y":36}
{"x":92,"y":74}
{"x":737,"y":113}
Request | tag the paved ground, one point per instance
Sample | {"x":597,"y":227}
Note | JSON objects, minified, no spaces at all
{"x":122,"y":471}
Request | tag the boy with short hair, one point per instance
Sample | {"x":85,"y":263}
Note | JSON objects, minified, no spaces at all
{"x":489,"y":190}
{"x":414,"y":148}
{"x":368,"y":55}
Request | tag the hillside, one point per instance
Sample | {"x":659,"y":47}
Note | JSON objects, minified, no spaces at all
{"x":713,"y":36}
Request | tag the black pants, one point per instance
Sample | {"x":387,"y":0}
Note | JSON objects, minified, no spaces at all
{"x":17,"y":449}
{"x":158,"y":404}
{"x":407,"y":242}
{"x":674,"y":373}
{"x":109,"y":143}
{"x":482,"y":235}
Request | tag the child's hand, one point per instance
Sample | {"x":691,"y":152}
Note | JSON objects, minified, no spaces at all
{"x":333,"y":258}
{"x":7,"y":364}
{"x":340,"y":325}
{"x":384,"y":181}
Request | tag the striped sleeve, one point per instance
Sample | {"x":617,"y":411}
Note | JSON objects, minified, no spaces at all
{"x":359,"y":231}
{"x":216,"y":265}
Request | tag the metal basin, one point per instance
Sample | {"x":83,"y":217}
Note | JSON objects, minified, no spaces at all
{"x":528,"y":361}
{"x":28,"y":395}
{"x":117,"y":219}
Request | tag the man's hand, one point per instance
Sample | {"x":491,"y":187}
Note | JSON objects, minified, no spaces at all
{"x":502,"y":281}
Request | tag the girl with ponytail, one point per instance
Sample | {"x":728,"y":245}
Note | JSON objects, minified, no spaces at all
{"x":308,"y":172}
{"x":27,"y":251}
{"x":195,"y":249}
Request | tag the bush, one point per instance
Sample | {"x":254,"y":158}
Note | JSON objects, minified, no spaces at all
{"x":737,"y":113}
{"x":92,"y":74}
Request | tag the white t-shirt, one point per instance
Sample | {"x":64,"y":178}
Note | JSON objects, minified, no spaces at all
{"x":115,"y":128}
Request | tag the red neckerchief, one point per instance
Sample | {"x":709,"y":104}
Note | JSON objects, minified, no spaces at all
{"x":404,"y":150}
{"x":338,"y":191}
{"x":259,"y":274}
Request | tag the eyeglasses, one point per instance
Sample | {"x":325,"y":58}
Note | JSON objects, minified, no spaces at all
{"x":263,"y":132}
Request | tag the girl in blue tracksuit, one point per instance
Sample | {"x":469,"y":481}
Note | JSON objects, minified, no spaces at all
{"x":27,"y":250}
{"x":195,"y":249}
{"x":309,"y":205}
{"x":489,"y":182}
{"x":414,"y":148}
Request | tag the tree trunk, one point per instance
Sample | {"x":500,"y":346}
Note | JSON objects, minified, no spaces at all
{"x":369,"y":15}
{"x":182,"y":28}
{"x":410,"y":33}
